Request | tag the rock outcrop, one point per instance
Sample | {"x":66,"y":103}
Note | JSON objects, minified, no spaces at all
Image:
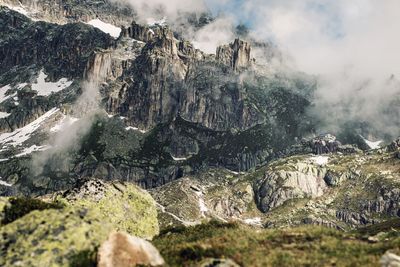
{"x":62,"y":12}
{"x":53,"y":237}
{"x":236,"y":55}
{"x":126,"y":206}
{"x":300,"y":180}
{"x":125,"y":250}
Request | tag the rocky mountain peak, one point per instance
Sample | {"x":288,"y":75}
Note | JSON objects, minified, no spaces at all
{"x":236,"y":54}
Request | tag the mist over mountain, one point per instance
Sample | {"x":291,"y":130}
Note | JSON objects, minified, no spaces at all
{"x":227,"y":133}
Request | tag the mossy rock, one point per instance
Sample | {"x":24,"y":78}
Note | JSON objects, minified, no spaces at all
{"x":15,"y":207}
{"x":53,"y":237}
{"x":128,"y":207}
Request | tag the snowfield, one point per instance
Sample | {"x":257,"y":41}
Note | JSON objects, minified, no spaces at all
{"x":3,"y":91}
{"x":4,"y":115}
{"x":19,"y":136}
{"x":106,"y":27}
{"x":46,"y":88}
{"x":320,"y":160}
{"x":372,"y":145}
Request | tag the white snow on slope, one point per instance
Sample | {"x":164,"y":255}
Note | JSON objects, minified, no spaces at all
{"x":253,"y":221}
{"x":3,"y":91}
{"x":32,"y":149}
{"x":202,"y":205}
{"x":19,"y":9}
{"x":46,"y":88}
{"x":178,"y":159}
{"x":372,"y":145}
{"x":320,"y":160}
{"x":66,"y":121}
{"x":4,"y":115}
{"x":5,"y":183}
{"x":20,"y":135}
{"x":105,"y":27}
{"x":135,"y":129}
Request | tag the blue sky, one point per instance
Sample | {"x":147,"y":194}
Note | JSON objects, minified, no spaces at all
{"x":333,"y":24}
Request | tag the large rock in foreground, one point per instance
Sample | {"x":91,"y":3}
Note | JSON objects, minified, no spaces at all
{"x":126,"y":206}
{"x":53,"y":237}
{"x":124,"y":250}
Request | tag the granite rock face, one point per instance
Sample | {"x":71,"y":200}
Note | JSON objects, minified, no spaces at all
{"x":236,"y":55}
{"x":294,"y":181}
{"x":69,"y":11}
{"x":62,"y":51}
{"x":173,"y":99}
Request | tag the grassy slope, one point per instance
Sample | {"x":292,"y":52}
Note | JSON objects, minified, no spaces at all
{"x":303,"y":246}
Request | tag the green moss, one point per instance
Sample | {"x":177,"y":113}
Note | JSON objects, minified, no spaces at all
{"x":53,"y":237}
{"x":127,"y":207}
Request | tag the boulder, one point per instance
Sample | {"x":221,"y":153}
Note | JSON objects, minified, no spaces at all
{"x":53,"y":237}
{"x":128,"y":207}
{"x":236,"y":54}
{"x":390,"y":260}
{"x":289,"y":181}
{"x":122,"y":250}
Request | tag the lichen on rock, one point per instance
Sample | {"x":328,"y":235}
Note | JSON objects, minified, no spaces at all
{"x":127,"y":207}
{"x":52,"y":237}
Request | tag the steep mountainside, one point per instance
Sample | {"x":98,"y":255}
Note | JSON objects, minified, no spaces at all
{"x":176,"y":109}
{"x":111,"y":127}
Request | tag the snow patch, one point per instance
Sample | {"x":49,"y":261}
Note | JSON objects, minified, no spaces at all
{"x":21,"y":85}
{"x":46,"y":88}
{"x":19,"y":9}
{"x":32,"y":149}
{"x":202,"y":205}
{"x":3,"y":91}
{"x":66,"y":121}
{"x":4,"y":115}
{"x":134,"y":129}
{"x":178,"y":159}
{"x":21,"y":135}
{"x":372,"y":145}
{"x":106,"y":27}
{"x":320,"y":160}
{"x":253,"y":221}
{"x":5,"y":183}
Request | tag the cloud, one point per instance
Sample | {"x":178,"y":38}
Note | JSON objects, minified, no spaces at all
{"x":157,"y":9}
{"x":209,"y":37}
{"x":353,"y":47}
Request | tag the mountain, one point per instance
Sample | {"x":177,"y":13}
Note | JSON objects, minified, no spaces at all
{"x":108,"y":123}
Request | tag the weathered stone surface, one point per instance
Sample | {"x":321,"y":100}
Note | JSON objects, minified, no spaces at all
{"x":63,"y":12}
{"x":390,"y":260}
{"x":53,"y":238}
{"x":125,"y":205}
{"x":122,"y":250}
{"x":236,"y":55}
{"x":51,"y":46}
{"x":300,"y":180}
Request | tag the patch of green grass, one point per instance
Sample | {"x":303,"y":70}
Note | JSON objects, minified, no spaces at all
{"x":302,"y":246}
{"x":19,"y":207}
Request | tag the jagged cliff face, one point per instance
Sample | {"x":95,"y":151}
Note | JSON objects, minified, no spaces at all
{"x":67,"y":11}
{"x":172,"y":110}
